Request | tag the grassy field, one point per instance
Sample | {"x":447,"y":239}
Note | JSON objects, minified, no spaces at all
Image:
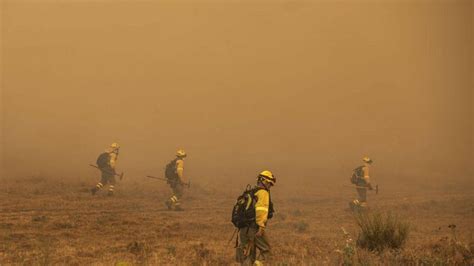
{"x":45,"y":221}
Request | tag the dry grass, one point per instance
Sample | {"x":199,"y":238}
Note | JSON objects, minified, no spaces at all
{"x":45,"y":222}
{"x":379,"y":231}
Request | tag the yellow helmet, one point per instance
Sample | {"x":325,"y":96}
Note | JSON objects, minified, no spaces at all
{"x":114,"y":147}
{"x":181,"y":153}
{"x":367,"y":159}
{"x":267,"y":176}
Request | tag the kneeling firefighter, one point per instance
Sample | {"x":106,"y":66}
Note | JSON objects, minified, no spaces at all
{"x":250,"y":215}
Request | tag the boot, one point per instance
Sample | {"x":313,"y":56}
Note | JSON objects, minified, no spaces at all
{"x":168,"y":205}
{"x":93,"y":191}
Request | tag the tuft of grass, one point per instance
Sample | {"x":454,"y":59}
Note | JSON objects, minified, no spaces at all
{"x":297,"y":213}
{"x":39,"y":218}
{"x":141,"y":250}
{"x":63,"y":225}
{"x":171,"y":250}
{"x":281,"y":216}
{"x":201,"y":251}
{"x":450,"y":250}
{"x":135,"y":247}
{"x":349,"y":250}
{"x":46,"y":250}
{"x":379,"y":231}
{"x":301,"y":226}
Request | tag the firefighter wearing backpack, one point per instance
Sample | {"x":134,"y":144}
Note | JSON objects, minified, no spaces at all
{"x":106,"y":163}
{"x":361,"y":179}
{"x":252,"y":230}
{"x":174,"y":172}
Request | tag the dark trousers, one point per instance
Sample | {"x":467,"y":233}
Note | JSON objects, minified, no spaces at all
{"x":107,"y":177}
{"x":246,"y":252}
{"x":362,"y":192}
{"x":177,"y":194}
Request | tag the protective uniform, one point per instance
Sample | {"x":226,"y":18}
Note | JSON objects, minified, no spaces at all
{"x":176,"y":182}
{"x":107,"y":169}
{"x":254,"y":236}
{"x":363,"y":183}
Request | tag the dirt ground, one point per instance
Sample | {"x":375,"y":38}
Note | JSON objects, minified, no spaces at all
{"x":44,"y":221}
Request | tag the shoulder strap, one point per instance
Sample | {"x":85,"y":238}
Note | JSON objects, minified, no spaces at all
{"x":173,"y":162}
{"x":257,"y":189}
{"x":260,"y":188}
{"x":358,"y":170}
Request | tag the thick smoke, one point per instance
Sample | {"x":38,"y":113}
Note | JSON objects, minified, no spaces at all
{"x":305,"y":89}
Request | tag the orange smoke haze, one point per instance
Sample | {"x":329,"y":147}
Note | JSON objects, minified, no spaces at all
{"x":305,"y":88}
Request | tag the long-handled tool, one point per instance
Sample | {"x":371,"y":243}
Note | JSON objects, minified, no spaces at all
{"x":105,"y":171}
{"x":159,"y":178}
{"x":167,"y":180}
{"x":376,"y":188}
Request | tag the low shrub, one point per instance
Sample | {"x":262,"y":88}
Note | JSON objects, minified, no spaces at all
{"x":301,"y":226}
{"x":379,"y":231}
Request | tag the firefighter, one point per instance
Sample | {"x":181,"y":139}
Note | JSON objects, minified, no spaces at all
{"x":254,"y":237}
{"x":174,"y":172}
{"x":106,"y":163}
{"x":361,"y":179}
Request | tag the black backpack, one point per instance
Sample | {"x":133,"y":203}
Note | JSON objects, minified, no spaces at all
{"x":103,"y":160}
{"x":170,"y":170}
{"x":357,"y":175}
{"x":243,"y":213}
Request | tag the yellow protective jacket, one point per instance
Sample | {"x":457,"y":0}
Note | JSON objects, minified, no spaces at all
{"x":365,"y":170}
{"x":180,"y":169}
{"x":262,"y":207}
{"x":113,"y":159}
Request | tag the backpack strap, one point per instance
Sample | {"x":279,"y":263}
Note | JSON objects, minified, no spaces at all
{"x":173,"y":162}
{"x":237,"y":238}
{"x":256,"y":189}
{"x":358,"y":170}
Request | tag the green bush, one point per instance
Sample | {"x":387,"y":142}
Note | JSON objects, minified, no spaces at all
{"x":380,"y":231}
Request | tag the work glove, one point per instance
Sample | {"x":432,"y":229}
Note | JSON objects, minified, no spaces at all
{"x":260,"y":231}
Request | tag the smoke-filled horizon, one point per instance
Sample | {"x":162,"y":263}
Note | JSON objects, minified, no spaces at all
{"x":302,"y":88}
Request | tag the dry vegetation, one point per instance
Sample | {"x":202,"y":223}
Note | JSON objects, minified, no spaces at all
{"x":58,"y":222}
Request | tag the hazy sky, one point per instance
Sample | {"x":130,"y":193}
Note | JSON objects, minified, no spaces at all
{"x":305,"y":88}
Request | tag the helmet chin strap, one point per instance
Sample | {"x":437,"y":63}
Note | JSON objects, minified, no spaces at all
{"x":264,"y":184}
